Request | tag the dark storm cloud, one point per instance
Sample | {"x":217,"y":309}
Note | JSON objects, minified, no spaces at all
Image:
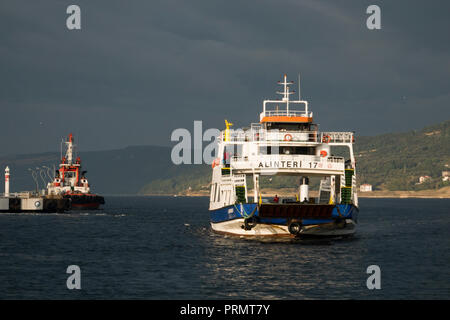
{"x":139,"y":69}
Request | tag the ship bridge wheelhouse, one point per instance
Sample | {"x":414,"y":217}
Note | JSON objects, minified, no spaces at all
{"x":290,"y":126}
{"x":295,"y":115}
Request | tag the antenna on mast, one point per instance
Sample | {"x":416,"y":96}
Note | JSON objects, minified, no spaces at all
{"x":299,"y":97}
{"x":285,"y":92}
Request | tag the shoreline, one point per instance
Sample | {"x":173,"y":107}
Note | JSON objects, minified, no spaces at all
{"x":443,"y":193}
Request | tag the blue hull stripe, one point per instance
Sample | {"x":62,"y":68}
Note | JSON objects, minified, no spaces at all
{"x":245,"y":210}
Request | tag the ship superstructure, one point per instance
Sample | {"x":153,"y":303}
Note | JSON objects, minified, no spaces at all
{"x":285,"y":142}
{"x":70,"y":181}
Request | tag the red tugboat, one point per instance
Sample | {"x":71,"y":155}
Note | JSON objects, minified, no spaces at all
{"x":71,"y":182}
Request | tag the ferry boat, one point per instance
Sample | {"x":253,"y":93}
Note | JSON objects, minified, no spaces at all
{"x":71,"y":182}
{"x":284,"y":143}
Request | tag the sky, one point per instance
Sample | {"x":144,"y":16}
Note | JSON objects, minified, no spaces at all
{"x":137,"y":70}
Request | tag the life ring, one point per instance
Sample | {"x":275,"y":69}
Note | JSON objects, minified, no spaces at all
{"x":323,"y":153}
{"x":326,"y":139}
{"x":287,"y":137}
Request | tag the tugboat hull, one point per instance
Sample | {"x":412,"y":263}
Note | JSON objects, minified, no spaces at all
{"x":86,"y":206}
{"x":85,"y":201}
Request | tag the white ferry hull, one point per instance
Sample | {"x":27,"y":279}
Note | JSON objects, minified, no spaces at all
{"x":236,"y":227}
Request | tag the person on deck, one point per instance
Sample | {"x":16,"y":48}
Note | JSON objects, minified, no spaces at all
{"x":276,"y":199}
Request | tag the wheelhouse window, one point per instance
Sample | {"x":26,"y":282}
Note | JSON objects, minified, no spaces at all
{"x":70,"y":174}
{"x":231,"y":150}
{"x":292,"y":126}
{"x":265,"y":150}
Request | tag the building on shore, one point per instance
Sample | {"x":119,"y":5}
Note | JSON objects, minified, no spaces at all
{"x":423,"y":179}
{"x":445,"y":175}
{"x":365,"y":187}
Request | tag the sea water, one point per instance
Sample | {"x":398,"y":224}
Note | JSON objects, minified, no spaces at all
{"x":163,"y":248}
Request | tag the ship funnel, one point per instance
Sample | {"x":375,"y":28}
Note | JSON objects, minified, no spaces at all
{"x":304,"y":189}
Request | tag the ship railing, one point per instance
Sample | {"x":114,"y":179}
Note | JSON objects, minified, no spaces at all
{"x":282,"y":135}
{"x":288,"y":136}
{"x":23,"y":194}
{"x":337,"y":137}
{"x":239,"y":179}
{"x":239,"y":158}
{"x":286,"y":113}
{"x":226,"y":179}
{"x":331,"y":159}
{"x":270,"y":136}
{"x":335,"y":159}
{"x":354,"y":196}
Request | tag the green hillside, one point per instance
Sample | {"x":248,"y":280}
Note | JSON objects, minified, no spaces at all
{"x":396,"y":161}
